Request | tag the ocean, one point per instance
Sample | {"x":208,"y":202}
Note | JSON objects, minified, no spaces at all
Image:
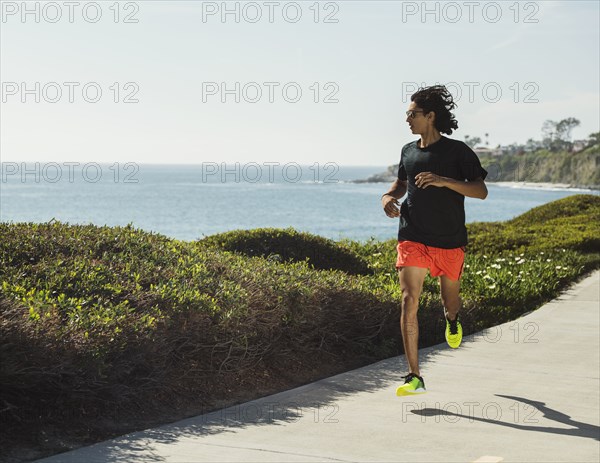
{"x":188,"y":202}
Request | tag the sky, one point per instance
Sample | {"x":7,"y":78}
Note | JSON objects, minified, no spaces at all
{"x":157,"y":82}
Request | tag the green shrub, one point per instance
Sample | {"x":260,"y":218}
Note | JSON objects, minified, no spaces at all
{"x":289,"y":245}
{"x":579,"y":207}
{"x":570,"y":223}
{"x":118,"y":317}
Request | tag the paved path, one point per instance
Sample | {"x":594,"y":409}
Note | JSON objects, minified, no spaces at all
{"x":529,"y":390}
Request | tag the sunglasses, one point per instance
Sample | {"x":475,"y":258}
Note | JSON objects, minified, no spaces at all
{"x":412,"y":113}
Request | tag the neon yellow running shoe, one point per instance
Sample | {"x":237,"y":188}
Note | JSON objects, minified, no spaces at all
{"x":413,"y":384}
{"x":453,"y":332}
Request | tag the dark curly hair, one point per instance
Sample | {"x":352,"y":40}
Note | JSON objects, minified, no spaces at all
{"x":438,"y":99}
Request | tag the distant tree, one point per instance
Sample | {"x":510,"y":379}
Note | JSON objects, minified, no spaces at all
{"x":511,"y":149}
{"x":593,"y":139}
{"x":531,"y":145}
{"x":472,"y":141}
{"x":563,"y":131}
{"x":548,"y":134}
{"x":515,"y":148}
{"x":557,"y":135}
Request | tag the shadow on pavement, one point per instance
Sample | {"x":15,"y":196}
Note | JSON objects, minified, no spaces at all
{"x":578,"y":429}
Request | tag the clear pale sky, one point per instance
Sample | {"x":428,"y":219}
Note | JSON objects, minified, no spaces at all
{"x":365,"y":57}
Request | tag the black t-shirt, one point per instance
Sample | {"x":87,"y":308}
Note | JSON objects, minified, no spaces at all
{"x":435,"y":216}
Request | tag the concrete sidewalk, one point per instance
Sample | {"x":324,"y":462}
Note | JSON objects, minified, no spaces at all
{"x":528,"y":390}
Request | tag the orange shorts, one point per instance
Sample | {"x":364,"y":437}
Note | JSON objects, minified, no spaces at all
{"x":439,"y":261}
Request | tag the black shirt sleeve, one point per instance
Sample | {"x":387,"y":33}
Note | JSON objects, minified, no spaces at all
{"x":401,"y":169}
{"x":470,"y":167}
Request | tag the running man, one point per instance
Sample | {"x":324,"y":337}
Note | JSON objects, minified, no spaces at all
{"x":438,"y":173}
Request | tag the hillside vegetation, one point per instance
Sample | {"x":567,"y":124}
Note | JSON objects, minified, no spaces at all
{"x":577,"y":169}
{"x":580,"y":169}
{"x":104,"y":330}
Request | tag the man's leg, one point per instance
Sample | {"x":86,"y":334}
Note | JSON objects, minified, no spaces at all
{"x":411,"y":283}
{"x":451,"y":300}
{"x":450,"y":296}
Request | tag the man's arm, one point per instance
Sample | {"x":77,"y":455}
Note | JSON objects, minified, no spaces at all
{"x":473,"y":189}
{"x":390,"y":199}
{"x":397,"y":190}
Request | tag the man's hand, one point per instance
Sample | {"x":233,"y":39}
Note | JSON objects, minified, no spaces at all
{"x":425,"y":179}
{"x":390,"y":206}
